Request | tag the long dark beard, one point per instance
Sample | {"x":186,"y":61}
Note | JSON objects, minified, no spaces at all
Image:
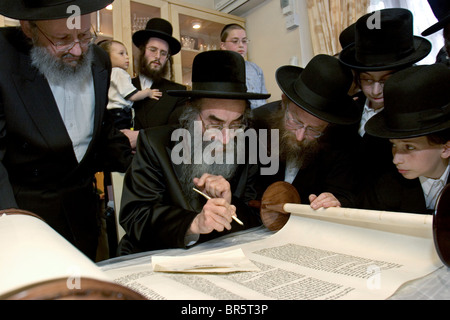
{"x":57,"y":71}
{"x":155,"y":75}
{"x":196,"y":170}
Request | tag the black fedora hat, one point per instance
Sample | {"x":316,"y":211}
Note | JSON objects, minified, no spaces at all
{"x":347,"y":36}
{"x":384,"y":40}
{"x":49,"y":9}
{"x":218,"y":74}
{"x":441,"y":10}
{"x":320,"y":89}
{"x":158,"y":28}
{"x":416,"y":103}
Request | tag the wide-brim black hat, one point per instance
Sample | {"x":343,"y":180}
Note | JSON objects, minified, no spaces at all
{"x":218,"y":74}
{"x":320,"y":89}
{"x":157,"y":28}
{"x":49,"y":9}
{"x":384,"y":40}
{"x":416,"y":103}
{"x":441,"y":10}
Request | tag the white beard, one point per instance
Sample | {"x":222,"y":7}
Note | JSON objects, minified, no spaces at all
{"x":57,"y":71}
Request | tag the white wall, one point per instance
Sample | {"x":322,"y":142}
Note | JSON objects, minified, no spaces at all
{"x":272,"y":45}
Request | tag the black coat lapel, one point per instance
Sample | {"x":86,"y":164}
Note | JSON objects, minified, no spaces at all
{"x":39,"y":102}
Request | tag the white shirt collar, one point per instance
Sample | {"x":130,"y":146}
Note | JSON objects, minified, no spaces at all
{"x":145,"y":81}
{"x":368,"y":113}
{"x":433,"y":187}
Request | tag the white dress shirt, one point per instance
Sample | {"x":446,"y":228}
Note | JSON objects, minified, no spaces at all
{"x":366,"y":115}
{"x":432,"y":188}
{"x":145,"y":82}
{"x":76,"y":104}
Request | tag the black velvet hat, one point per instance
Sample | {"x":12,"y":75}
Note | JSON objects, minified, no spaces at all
{"x":384,"y":40}
{"x":441,"y":10}
{"x":320,"y":89}
{"x":218,"y":74}
{"x":157,"y":28}
{"x":416,"y":103}
{"x":347,"y":36}
{"x":49,"y":9}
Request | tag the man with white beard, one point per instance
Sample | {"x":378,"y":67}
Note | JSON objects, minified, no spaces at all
{"x":159,"y":207}
{"x":54,"y":134}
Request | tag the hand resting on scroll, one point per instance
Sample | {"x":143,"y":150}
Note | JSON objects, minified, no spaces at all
{"x":324,"y":200}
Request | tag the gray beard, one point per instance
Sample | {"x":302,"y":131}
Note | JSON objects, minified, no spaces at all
{"x":194,"y":170}
{"x":297,"y":154}
{"x":58,"y":72}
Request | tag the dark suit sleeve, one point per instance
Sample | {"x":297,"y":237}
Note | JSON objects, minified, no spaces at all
{"x":150,"y":213}
{"x":7,"y":199}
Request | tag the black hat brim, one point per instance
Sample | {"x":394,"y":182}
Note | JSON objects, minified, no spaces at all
{"x":422,"y":49}
{"x":218,"y":94}
{"x":141,"y":37}
{"x":437,"y":26}
{"x":20,"y":12}
{"x":377,"y":126}
{"x":346,"y":111}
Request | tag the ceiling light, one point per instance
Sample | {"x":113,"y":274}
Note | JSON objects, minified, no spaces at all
{"x":196,"y":25}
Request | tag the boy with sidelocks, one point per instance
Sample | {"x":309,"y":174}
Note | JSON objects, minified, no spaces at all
{"x":416,"y":120}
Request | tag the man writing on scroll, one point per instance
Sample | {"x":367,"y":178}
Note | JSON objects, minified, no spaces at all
{"x":314,"y":118}
{"x":416,"y":120}
{"x":159,"y":207}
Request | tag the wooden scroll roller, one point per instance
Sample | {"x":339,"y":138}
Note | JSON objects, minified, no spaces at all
{"x":36,"y":263}
{"x":281,"y":199}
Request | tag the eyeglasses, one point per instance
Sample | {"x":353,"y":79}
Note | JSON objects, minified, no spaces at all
{"x":371,"y":82}
{"x":220,"y":127}
{"x":154,"y":50}
{"x":84,"y":40}
{"x":237,"y":41}
{"x":295,"y":124}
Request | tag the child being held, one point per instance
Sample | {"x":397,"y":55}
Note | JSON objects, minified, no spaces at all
{"x":416,"y":120}
{"x":122,"y":93}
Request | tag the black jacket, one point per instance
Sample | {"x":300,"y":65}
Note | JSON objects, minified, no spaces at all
{"x":38,"y":168}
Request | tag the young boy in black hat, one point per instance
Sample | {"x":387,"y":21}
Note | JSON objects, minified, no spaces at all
{"x":384,"y":44}
{"x":416,"y":120}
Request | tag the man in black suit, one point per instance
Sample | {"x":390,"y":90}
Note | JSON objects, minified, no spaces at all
{"x":54,"y":134}
{"x":315,"y":148}
{"x":156,"y":46}
{"x":159,"y":208}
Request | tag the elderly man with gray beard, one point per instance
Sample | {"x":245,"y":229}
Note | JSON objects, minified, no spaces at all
{"x":159,"y":208}
{"x":54,"y":134}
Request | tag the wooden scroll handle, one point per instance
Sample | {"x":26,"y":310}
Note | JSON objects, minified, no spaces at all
{"x":441,"y":226}
{"x":276,"y":195}
{"x":19,"y":211}
{"x":57,"y":289}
